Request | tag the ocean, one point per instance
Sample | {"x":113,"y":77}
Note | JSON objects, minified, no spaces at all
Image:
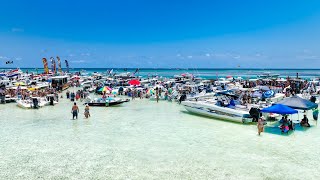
{"x":204,"y":73}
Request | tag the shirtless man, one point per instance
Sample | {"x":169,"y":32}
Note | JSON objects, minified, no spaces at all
{"x":75,"y":111}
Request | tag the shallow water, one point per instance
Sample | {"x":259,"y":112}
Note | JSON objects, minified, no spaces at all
{"x":147,"y":140}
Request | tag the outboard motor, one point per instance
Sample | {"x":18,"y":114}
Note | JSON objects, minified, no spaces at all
{"x":51,"y":101}
{"x":183,"y":97}
{"x":35,"y":103}
{"x":255,"y":114}
{"x":2,"y":99}
{"x":2,"y":94}
{"x":313,"y":99}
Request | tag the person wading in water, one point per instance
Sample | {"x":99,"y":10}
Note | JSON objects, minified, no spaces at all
{"x":157,"y":94}
{"x":86,"y":111}
{"x":260,"y":125}
{"x":75,"y":111}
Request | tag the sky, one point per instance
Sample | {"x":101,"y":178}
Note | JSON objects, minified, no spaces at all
{"x":161,"y":33}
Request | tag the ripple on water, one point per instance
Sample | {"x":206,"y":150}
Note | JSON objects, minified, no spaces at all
{"x":147,"y":140}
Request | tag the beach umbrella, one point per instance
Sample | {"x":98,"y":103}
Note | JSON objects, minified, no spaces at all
{"x":134,"y":82}
{"x":114,"y":92}
{"x":268,"y":94}
{"x":75,"y":77}
{"x":150,"y":91}
{"x":105,"y":89}
{"x":33,"y":88}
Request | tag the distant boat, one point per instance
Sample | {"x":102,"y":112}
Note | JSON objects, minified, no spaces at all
{"x":268,"y":75}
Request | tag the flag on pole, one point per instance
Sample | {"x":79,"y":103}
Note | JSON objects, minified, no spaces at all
{"x":45,"y":65}
{"x":59,"y":64}
{"x":67,"y":65}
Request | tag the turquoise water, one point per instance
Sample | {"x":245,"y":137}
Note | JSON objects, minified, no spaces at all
{"x":148,"y":140}
{"x":204,"y":73}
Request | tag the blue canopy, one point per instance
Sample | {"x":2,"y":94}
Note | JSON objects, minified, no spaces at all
{"x":279,"y":109}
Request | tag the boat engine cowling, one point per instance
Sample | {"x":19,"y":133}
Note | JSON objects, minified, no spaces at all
{"x":51,"y":101}
{"x":35,"y":103}
{"x":255,"y":114}
{"x":313,"y":99}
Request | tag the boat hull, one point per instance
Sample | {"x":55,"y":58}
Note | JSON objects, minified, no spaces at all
{"x":97,"y":104}
{"x":218,"y":112}
{"x":113,"y":103}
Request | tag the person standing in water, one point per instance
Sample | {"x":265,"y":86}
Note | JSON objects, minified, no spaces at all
{"x":75,"y":111}
{"x":157,"y":94}
{"x":260,"y":125}
{"x":86,"y":111}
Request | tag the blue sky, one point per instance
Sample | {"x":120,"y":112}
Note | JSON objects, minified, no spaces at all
{"x":161,"y":34}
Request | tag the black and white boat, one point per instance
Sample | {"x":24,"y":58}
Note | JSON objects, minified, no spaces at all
{"x":107,"y":102}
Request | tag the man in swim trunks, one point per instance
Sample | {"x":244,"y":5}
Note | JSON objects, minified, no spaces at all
{"x":75,"y":111}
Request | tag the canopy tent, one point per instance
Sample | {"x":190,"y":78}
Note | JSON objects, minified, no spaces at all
{"x":134,"y":82}
{"x":297,"y":102}
{"x":279,"y":109}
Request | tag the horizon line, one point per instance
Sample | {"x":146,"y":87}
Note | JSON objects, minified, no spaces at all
{"x":173,"y":68}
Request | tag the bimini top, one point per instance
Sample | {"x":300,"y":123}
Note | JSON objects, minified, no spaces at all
{"x":59,"y":77}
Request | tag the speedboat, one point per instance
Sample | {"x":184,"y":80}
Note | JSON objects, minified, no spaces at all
{"x":268,"y":75}
{"x":107,"y":102}
{"x":220,"y":107}
{"x":32,"y":103}
{"x":9,"y":99}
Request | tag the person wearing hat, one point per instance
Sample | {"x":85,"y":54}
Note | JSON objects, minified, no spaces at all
{"x":86,"y":111}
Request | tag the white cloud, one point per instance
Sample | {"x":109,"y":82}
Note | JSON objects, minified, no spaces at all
{"x":208,"y":55}
{"x":85,"y":54}
{"x":18,"y":58}
{"x":4,"y":58}
{"x":17,"y":29}
{"x":78,"y":61}
{"x":237,"y":57}
{"x":308,"y":57}
{"x":190,"y":57}
{"x":307,"y":54}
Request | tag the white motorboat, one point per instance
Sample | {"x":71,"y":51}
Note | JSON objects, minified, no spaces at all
{"x":110,"y":101}
{"x":32,"y":103}
{"x":211,"y":109}
{"x":223,"y":106}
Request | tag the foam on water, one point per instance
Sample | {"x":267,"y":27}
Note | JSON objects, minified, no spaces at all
{"x":147,"y":140}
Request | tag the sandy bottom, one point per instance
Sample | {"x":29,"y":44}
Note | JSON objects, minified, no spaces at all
{"x":147,"y":140}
